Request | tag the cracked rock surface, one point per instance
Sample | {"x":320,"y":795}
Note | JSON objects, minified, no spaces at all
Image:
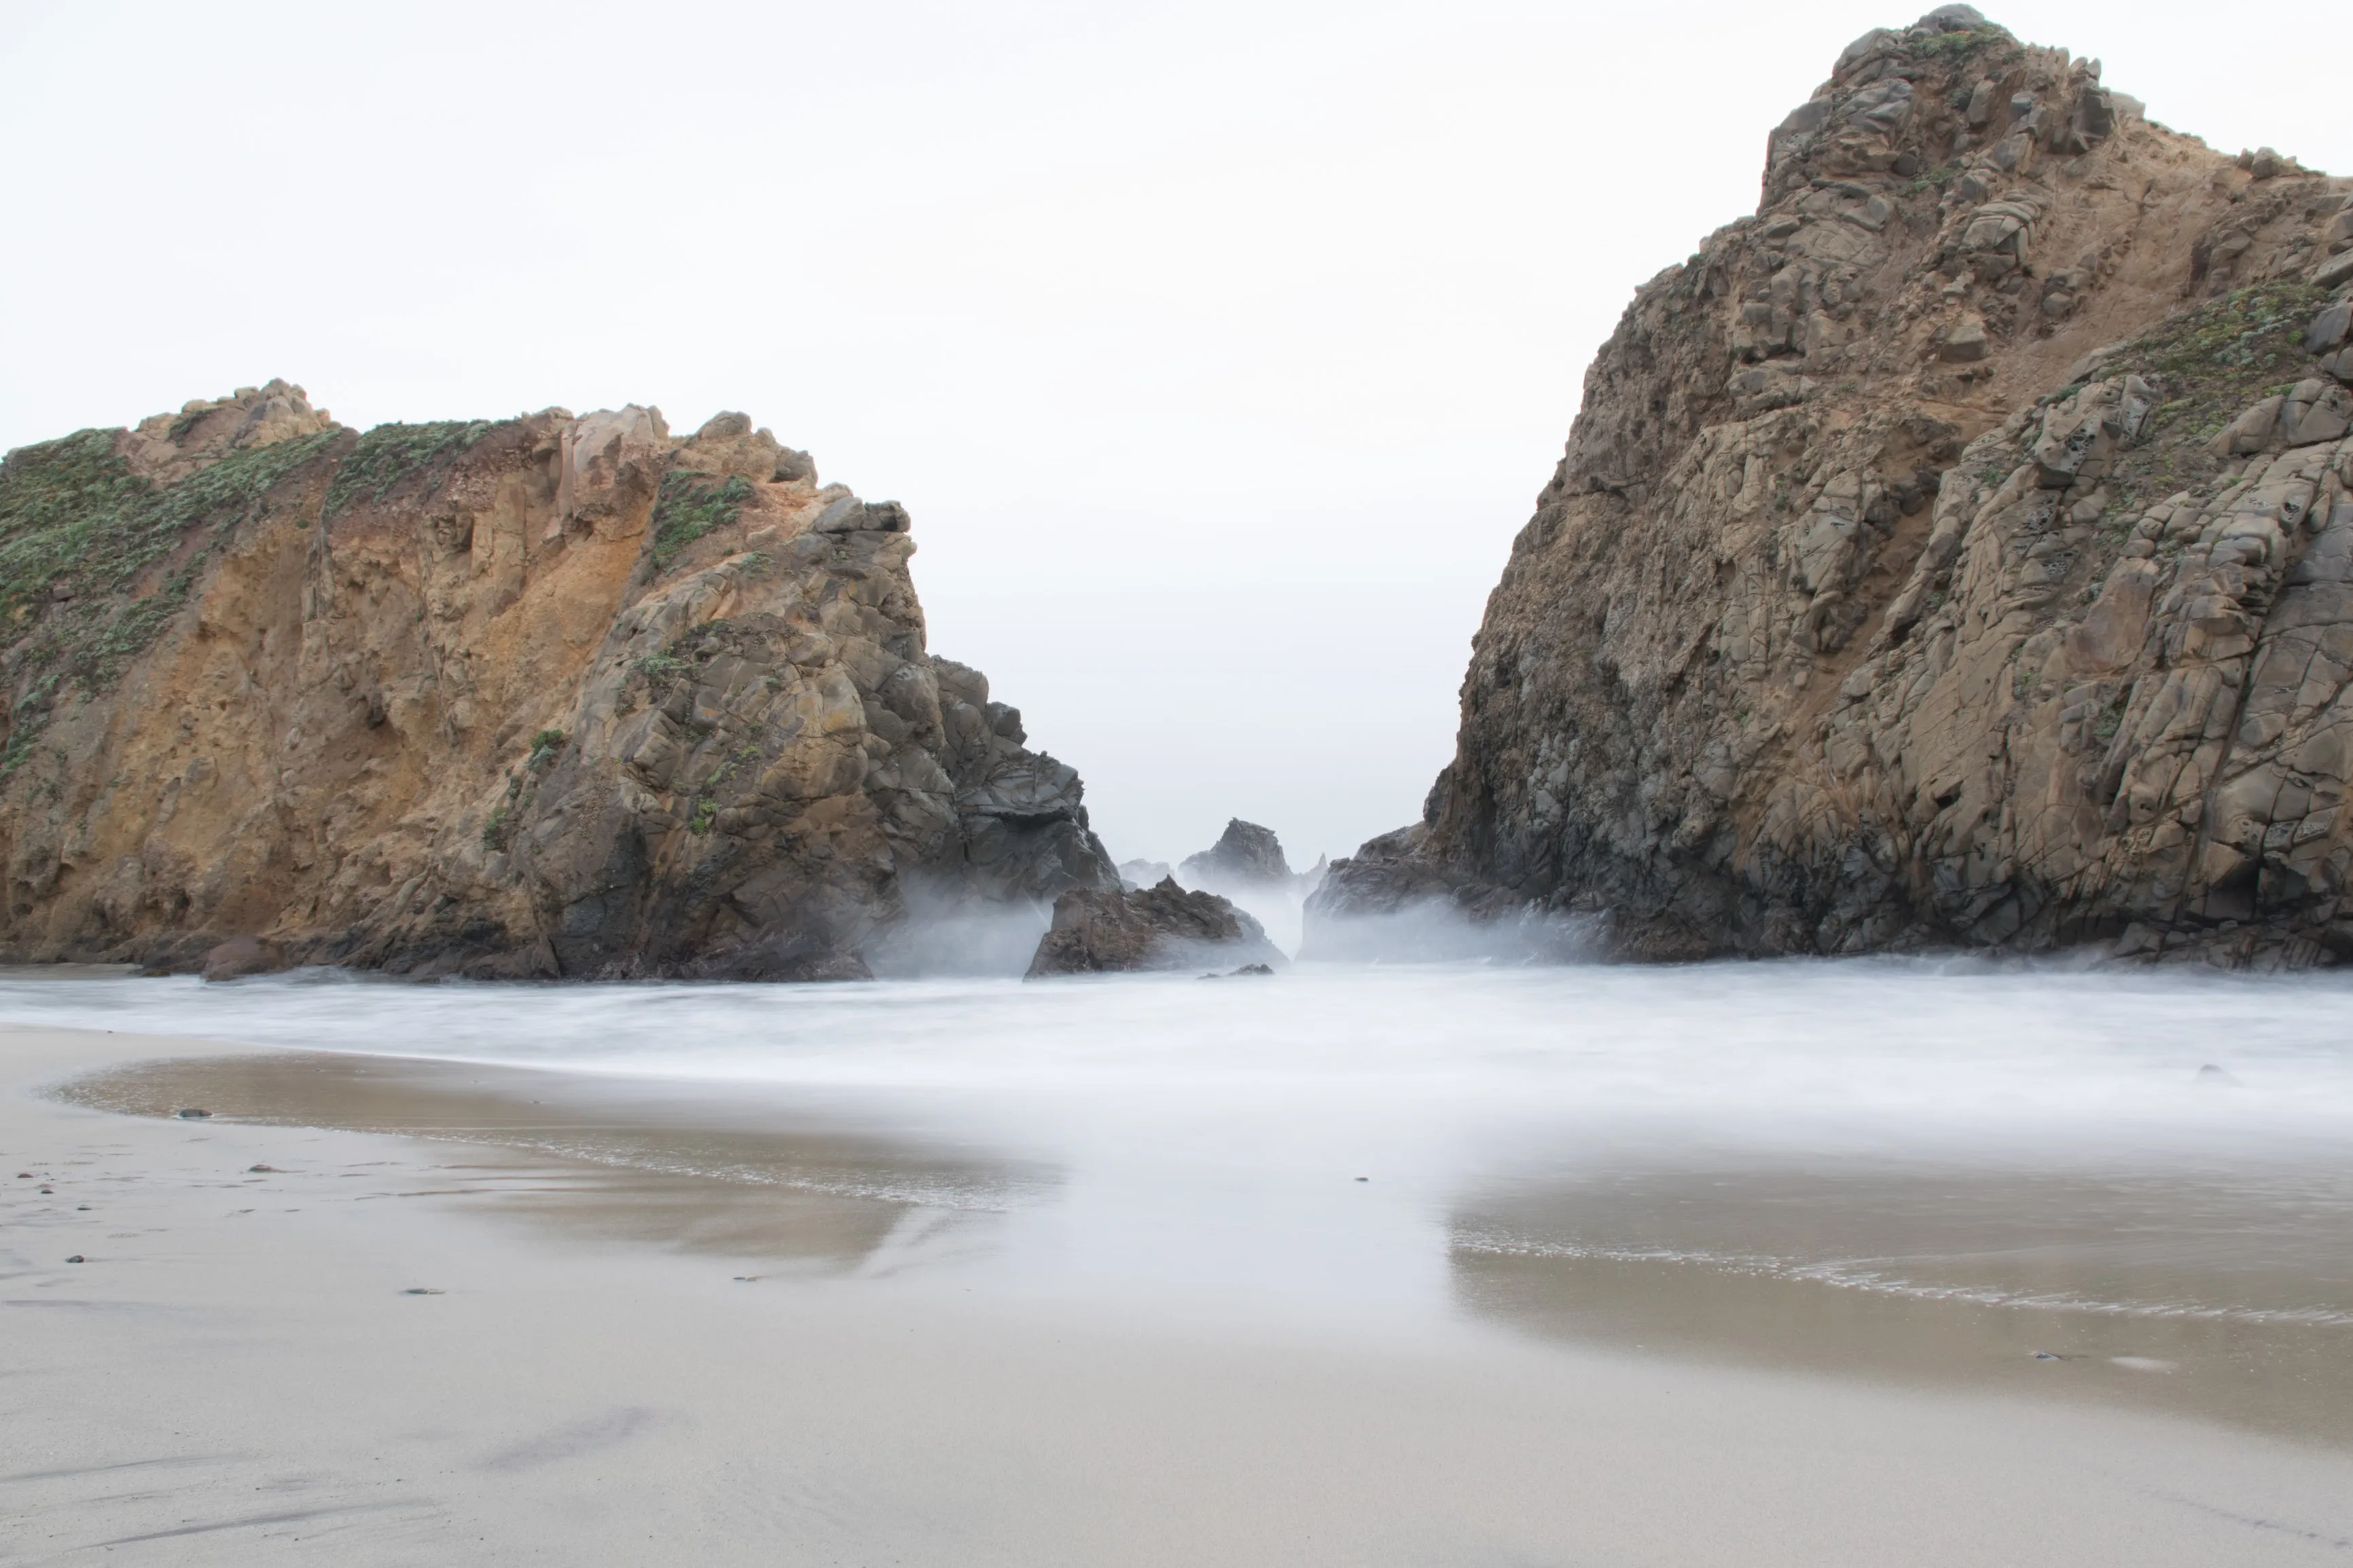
{"x":540,"y":697}
{"x":1957,"y":552}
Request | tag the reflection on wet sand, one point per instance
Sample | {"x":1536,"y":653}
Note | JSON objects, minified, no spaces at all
{"x":2200,"y":1293}
{"x":2202,"y":1277}
{"x":732,"y":1173}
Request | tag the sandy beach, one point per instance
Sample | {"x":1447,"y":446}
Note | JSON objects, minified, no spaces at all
{"x":612,"y":1365}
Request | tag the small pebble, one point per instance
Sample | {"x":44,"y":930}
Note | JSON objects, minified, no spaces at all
{"x":420,"y":1291}
{"x":1363,"y":1178}
{"x":77,"y":1257}
{"x":192,"y":1115}
{"x":266,"y":1170}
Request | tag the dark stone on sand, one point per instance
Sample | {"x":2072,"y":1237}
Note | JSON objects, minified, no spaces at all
{"x":191,"y":1114}
{"x":420,"y":1291}
{"x":243,"y":955}
{"x":261,"y":1170}
{"x":77,"y":1257}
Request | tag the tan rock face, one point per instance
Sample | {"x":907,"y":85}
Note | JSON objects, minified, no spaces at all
{"x":549,"y":696}
{"x":170,"y":446}
{"x":1957,"y":551}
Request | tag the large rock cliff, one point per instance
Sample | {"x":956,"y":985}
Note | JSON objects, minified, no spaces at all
{"x":1957,"y":552}
{"x":546,"y":696}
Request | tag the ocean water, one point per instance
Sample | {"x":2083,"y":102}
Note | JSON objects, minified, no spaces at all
{"x":1953,"y":1168}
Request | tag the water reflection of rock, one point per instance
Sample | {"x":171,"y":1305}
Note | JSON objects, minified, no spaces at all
{"x":644,"y":1162}
{"x":2160,"y":1290}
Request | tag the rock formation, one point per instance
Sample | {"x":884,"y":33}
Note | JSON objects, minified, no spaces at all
{"x":1138,"y":874}
{"x":1957,"y":552}
{"x":545,"y":696}
{"x":1244,"y":854}
{"x":1103,"y":929}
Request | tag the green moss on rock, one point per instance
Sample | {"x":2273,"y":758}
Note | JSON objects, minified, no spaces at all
{"x":691,"y":504}
{"x":390,"y":454}
{"x":2209,"y":364}
{"x":81,"y":542}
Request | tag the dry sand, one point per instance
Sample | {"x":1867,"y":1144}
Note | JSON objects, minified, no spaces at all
{"x":237,"y":1373}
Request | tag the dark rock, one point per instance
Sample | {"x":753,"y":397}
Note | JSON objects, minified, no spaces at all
{"x":243,"y":955}
{"x":1245,"y":853}
{"x":1099,"y":930}
{"x":2329,"y":328}
{"x":261,"y":1170}
{"x":77,"y":1257}
{"x":191,"y":1114}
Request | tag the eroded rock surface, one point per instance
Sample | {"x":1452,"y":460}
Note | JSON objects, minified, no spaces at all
{"x":1245,"y":853}
{"x":1106,"y":929}
{"x":1955,"y":552}
{"x":545,"y":696}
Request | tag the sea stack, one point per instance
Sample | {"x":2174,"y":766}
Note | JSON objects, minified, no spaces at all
{"x":1955,"y":552}
{"x":549,"y":696}
{"x":1103,"y":930}
{"x":1244,"y":855}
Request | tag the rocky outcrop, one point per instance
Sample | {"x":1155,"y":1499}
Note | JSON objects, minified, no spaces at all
{"x":1244,"y":854}
{"x":545,"y":696}
{"x":1958,"y":551}
{"x":1102,"y":931}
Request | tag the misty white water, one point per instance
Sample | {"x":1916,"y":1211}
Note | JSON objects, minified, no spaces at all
{"x":2159,"y":1164}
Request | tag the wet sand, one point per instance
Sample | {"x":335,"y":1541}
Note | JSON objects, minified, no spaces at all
{"x":794,"y":1347}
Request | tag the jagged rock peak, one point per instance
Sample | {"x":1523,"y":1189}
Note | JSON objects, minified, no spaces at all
{"x":1948,"y":553}
{"x":167,"y":446}
{"x":1245,"y":852}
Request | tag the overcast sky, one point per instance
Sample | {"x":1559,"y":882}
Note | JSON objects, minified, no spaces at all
{"x":1218,"y":350}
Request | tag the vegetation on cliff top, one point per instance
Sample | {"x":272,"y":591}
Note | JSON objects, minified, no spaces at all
{"x":391,"y":453}
{"x":82,"y":542}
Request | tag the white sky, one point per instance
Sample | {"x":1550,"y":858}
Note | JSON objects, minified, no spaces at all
{"x":1218,"y":350}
